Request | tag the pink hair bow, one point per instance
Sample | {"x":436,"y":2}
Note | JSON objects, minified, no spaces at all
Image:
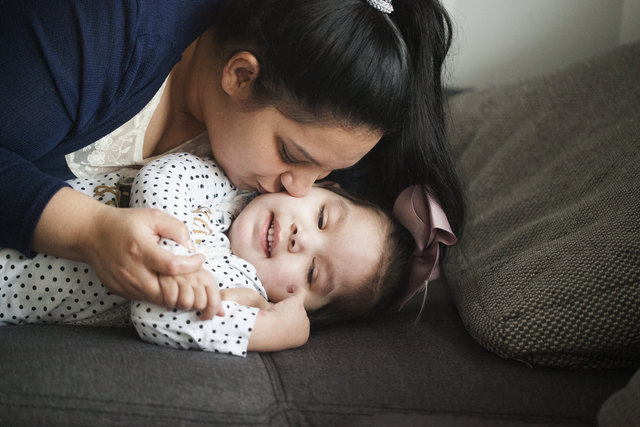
{"x":422,"y":215}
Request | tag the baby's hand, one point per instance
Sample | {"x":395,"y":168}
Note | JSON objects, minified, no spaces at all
{"x":284,"y":325}
{"x":294,"y":316}
{"x":192,"y":291}
{"x":245,"y":296}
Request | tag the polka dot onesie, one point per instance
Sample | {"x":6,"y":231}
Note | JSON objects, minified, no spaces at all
{"x":47,"y":289}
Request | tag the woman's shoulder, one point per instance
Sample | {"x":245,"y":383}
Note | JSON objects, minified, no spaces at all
{"x":179,"y":22}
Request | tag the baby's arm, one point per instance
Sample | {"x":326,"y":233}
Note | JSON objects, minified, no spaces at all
{"x":278,"y":326}
{"x":184,"y":329}
{"x":187,"y":330}
{"x":281,"y":326}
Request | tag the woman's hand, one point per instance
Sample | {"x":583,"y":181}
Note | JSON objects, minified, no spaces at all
{"x":128,"y":259}
{"x":284,"y":325}
{"x":192,"y":291}
{"x":120,"y":244}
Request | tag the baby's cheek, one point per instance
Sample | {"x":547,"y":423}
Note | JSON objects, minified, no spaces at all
{"x":277,"y":277}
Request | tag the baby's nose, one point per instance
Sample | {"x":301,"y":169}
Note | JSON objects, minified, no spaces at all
{"x":295,"y":239}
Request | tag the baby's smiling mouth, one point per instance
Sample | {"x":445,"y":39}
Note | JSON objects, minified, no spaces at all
{"x":270,"y":238}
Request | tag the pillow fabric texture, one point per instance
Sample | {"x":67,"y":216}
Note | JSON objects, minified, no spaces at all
{"x":548,"y":268}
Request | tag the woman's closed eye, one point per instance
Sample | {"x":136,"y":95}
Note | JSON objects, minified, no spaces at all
{"x":286,"y":156}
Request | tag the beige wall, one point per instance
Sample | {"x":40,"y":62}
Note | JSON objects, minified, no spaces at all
{"x":502,"y":40}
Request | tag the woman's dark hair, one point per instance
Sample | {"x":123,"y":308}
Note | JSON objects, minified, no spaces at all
{"x":342,"y":61}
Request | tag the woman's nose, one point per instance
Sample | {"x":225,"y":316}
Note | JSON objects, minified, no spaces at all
{"x":299,"y":182}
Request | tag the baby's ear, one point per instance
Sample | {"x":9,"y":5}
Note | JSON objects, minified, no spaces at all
{"x":326,"y":184}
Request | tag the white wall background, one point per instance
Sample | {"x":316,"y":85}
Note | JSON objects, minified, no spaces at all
{"x":497,"y":41}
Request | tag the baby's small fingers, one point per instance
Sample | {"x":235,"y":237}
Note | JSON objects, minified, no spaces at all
{"x":186,"y":297}
{"x":169,"y":291}
{"x":215,"y":296}
{"x":199,"y":297}
{"x":214,"y":304}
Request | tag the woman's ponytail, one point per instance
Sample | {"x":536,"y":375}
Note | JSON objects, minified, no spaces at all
{"x":418,"y":151}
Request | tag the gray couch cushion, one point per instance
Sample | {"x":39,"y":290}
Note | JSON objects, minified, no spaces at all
{"x":81,"y":375}
{"x":548,"y":270}
{"x":623,"y":407}
{"x":383,"y":372}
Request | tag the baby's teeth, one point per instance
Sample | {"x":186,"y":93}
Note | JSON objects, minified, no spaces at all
{"x":270,"y":233}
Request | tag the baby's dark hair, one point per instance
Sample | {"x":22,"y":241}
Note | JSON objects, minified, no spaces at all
{"x":384,"y":287}
{"x":344,"y":62}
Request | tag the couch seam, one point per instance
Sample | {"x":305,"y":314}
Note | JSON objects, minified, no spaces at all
{"x":366,"y":410}
{"x":313,"y":407}
{"x":146,"y":406}
{"x":205,"y":417}
{"x":281,"y":404}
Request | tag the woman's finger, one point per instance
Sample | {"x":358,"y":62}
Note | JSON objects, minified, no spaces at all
{"x":134,"y":281}
{"x":164,"y":262}
{"x":173,"y":229}
{"x":145,"y":282}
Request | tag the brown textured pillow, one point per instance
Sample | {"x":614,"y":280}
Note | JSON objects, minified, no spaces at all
{"x":548,"y":270}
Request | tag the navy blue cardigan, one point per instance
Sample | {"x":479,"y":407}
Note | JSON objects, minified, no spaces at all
{"x":71,"y":71}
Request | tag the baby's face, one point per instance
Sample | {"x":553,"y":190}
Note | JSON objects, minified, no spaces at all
{"x":322,"y":242}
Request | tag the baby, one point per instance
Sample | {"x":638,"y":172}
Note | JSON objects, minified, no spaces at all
{"x":328,"y":256}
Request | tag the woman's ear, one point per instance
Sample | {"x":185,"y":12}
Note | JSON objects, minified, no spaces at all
{"x":239,"y":73}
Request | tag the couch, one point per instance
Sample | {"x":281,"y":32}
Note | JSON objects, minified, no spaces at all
{"x":534,"y":322}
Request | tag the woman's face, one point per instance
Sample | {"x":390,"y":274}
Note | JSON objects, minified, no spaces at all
{"x":264,"y":150}
{"x":321,"y":242}
{"x":260,"y":148}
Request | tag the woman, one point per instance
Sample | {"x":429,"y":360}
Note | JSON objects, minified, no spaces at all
{"x":287,"y":90}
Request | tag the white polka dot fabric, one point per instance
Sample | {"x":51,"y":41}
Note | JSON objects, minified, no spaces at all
{"x":47,"y":289}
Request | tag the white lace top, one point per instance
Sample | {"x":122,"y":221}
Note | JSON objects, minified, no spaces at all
{"x":123,"y":147}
